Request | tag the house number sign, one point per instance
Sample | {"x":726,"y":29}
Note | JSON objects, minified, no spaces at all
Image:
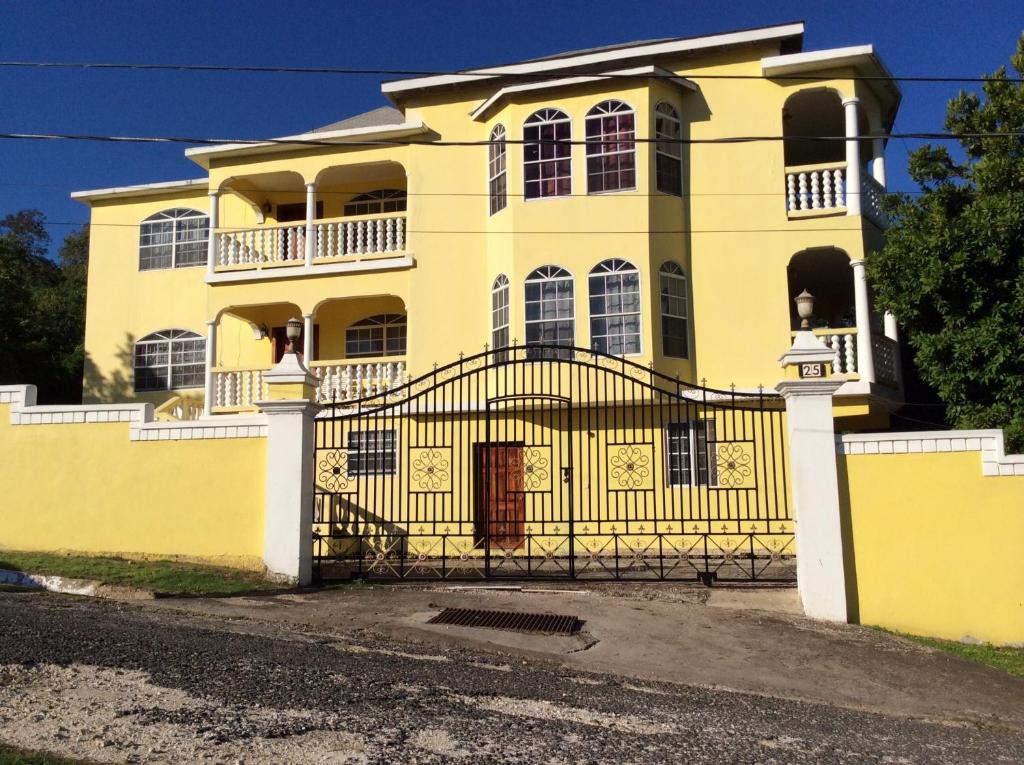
{"x":813,"y":369}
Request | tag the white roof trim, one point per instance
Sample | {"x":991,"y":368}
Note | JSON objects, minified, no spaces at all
{"x":200,"y":154}
{"x":601,"y":57}
{"x":819,"y":59}
{"x":482,"y":110}
{"x":145,"y":189}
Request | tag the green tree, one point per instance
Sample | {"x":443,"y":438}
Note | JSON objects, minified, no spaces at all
{"x":952,"y":269}
{"x":41,"y":332}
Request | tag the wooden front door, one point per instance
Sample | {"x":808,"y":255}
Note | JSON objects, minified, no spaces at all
{"x":501,"y":503}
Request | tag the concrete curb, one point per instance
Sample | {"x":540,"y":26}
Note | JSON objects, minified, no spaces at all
{"x":90,"y":587}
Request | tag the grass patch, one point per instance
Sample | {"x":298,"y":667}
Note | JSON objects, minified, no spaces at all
{"x":164,"y":576}
{"x":10,"y":755}
{"x":1009,"y":660}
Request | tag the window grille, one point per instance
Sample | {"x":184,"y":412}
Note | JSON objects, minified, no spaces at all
{"x":615,"y":307}
{"x":176,"y":238}
{"x":170,"y":359}
{"x":611,"y":151}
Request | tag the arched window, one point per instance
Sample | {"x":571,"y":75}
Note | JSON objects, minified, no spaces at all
{"x":674,"y":332}
{"x":668,"y":151}
{"x":496,"y":169}
{"x":499,"y":312}
{"x":547,"y":154}
{"x":611,"y":152}
{"x":376,"y":202}
{"x":380,"y":335}
{"x":550,"y":310}
{"x":169,"y":359}
{"x":174,"y":239}
{"x":615,"y":307}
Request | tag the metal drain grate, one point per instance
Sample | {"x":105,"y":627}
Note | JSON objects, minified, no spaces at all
{"x":548,"y":624}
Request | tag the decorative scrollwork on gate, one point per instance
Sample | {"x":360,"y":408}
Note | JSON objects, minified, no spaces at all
{"x":332,"y":471}
{"x":431,"y":469}
{"x":735,"y":465}
{"x":630,"y":466}
{"x":536,"y":469}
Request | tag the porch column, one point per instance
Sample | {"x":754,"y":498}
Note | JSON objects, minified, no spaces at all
{"x":820,"y":569}
{"x":878,"y":166}
{"x":288,"y":512}
{"x":211,"y":252}
{"x":852,"y":156}
{"x":307,"y":338}
{"x":211,"y":362}
{"x":891,"y":329}
{"x":865,"y":355}
{"x":310,"y":222}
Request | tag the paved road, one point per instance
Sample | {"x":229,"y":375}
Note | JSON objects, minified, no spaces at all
{"x":119,"y":683}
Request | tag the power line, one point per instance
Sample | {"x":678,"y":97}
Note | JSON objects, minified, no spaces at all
{"x":392,"y":142}
{"x":482,"y":73}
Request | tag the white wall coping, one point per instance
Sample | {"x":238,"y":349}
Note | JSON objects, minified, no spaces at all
{"x":317,"y":269}
{"x":994,"y":460}
{"x":140,"y":418}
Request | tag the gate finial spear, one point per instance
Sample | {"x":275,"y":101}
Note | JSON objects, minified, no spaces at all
{"x":487,"y":347}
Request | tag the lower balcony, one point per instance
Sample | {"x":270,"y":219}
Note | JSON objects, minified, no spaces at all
{"x":237,"y":389}
{"x":846,"y":362}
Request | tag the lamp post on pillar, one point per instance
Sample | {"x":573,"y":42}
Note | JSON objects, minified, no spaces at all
{"x":288,"y":518}
{"x":852,"y":156}
{"x":808,"y":389}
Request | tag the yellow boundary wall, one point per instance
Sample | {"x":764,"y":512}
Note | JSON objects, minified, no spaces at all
{"x":934,"y":533}
{"x":107,"y":479}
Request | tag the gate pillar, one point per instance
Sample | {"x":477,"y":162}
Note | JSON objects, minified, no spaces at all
{"x":288,"y":516}
{"x":808,"y":390}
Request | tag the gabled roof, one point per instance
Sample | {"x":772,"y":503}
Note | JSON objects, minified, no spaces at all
{"x":789,"y":36}
{"x":382,"y":115}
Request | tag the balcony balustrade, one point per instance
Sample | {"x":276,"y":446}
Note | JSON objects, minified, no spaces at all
{"x":284,"y":245}
{"x":816,"y":188}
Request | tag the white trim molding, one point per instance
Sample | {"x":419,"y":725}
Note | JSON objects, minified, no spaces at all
{"x":317,"y":269}
{"x":994,"y":460}
{"x":144,"y":190}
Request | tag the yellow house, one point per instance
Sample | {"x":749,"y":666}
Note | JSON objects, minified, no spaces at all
{"x":581,"y":199}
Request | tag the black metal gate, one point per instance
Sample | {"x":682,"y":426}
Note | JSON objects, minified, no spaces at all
{"x":538,"y":461}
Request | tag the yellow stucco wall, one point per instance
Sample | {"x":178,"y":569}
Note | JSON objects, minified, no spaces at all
{"x":937,"y":548}
{"x":87,"y":488}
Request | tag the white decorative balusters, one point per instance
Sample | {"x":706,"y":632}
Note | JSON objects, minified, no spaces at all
{"x":366,"y":236}
{"x":815,"y":187}
{"x":872,"y":192}
{"x":347,"y":381}
{"x":238,"y":388}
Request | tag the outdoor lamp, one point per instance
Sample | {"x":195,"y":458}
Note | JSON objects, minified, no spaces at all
{"x":293,"y":328}
{"x":804,"y":308}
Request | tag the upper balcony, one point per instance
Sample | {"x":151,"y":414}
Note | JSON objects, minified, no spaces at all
{"x":828,"y":157}
{"x":352,"y":218}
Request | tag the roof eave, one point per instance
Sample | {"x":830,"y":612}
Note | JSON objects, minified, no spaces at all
{"x":142,"y":190}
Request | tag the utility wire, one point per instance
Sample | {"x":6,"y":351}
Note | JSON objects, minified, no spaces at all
{"x":482,"y":73}
{"x":577,"y":142}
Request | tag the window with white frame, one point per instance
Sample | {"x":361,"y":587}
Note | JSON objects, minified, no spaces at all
{"x":499,"y":312}
{"x":668,"y":150}
{"x":547,"y":154}
{"x":674,"y":314}
{"x":372,"y":452}
{"x":377,"y":202}
{"x":496,"y":169}
{"x":175,"y":238}
{"x":169,"y":359}
{"x":690,"y":447}
{"x":611,"y":151}
{"x":549,"y":309}
{"x":380,"y":335}
{"x":615,"y":307}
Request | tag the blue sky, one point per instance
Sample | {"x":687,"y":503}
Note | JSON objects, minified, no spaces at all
{"x":941,"y":37}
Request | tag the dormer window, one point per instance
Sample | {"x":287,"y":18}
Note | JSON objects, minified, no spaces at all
{"x":547,"y":154}
{"x":611,"y":152}
{"x":377,"y":202}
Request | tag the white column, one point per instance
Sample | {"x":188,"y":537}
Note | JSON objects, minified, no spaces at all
{"x":878,"y":166}
{"x":852,"y":157}
{"x":211,"y":252}
{"x":862,"y":304}
{"x":891,"y":329}
{"x":211,"y":362}
{"x":310,"y":222}
{"x":307,"y":338}
{"x":820,"y":568}
{"x":288,"y":512}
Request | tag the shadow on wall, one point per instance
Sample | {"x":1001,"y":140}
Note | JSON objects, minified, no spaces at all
{"x":117,"y":385}
{"x":849,"y":554}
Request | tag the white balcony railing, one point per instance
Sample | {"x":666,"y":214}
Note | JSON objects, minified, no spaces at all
{"x":285,"y":245}
{"x":238,"y":389}
{"x":843,"y":342}
{"x":816,"y":187}
{"x":885,"y":354}
{"x":871,"y":194}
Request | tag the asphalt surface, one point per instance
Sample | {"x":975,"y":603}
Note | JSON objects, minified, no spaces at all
{"x":390,"y":701}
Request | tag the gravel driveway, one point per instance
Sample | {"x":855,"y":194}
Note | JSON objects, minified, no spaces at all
{"x":117,"y":683}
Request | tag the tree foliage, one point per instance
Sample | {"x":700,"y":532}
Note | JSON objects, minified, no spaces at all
{"x":952,"y":269}
{"x":43,"y":321}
